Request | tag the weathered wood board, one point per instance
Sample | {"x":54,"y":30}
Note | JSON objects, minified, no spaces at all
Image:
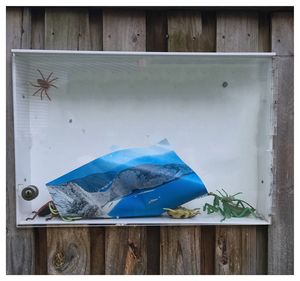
{"x":281,"y":232}
{"x":67,"y":250}
{"x":19,"y":243}
{"x":191,"y":31}
{"x":125,"y":247}
{"x":181,"y":251}
{"x":124,"y":30}
{"x":236,"y":246}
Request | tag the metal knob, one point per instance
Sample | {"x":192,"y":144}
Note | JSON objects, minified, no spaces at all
{"x":30,"y":192}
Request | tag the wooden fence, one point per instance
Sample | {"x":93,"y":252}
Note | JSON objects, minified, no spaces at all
{"x":159,"y":250}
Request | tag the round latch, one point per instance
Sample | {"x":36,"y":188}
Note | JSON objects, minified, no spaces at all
{"x":30,"y":192}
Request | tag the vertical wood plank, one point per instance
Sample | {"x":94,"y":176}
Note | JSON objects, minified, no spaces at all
{"x":208,"y":238}
{"x":180,"y":250}
{"x":38,"y":28}
{"x":67,"y":29}
{"x":237,"y":32}
{"x":97,"y":250}
{"x":228,"y":251}
{"x":153,"y":250}
{"x":97,"y":234}
{"x":282,"y":25}
{"x":156,"y":41}
{"x":68,"y":249}
{"x":40,"y":234}
{"x":20,"y":254}
{"x":234,"y":252}
{"x":125,"y":247}
{"x":191,"y":31}
{"x":125,"y":250}
{"x":96,"y":29}
{"x":156,"y":31}
{"x":264,"y":32}
{"x":124,"y":30}
{"x":40,"y":239}
{"x":281,"y":232}
{"x":261,"y":249}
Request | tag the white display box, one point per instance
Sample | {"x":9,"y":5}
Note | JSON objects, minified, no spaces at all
{"x":217,"y":110}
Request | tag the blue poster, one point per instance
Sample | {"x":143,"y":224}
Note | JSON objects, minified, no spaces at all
{"x":136,"y":182}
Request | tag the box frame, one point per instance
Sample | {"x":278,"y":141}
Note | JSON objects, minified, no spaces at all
{"x":205,"y":219}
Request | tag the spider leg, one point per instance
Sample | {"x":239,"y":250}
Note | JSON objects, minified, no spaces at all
{"x":37,"y":91}
{"x":35,"y":85}
{"x":41,"y":74}
{"x":53,"y":86}
{"x":52,"y":80}
{"x":49,"y":76}
{"x":42,"y":94}
{"x":47,"y":95}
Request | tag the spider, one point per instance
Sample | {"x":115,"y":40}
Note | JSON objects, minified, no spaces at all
{"x":44,"y":84}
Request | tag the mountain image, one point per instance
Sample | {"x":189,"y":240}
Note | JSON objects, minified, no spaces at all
{"x":135,"y":178}
{"x":94,"y":195}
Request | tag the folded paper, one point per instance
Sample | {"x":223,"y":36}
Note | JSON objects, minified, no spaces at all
{"x":135,"y":182}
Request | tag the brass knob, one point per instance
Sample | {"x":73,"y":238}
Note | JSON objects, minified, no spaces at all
{"x":30,"y":192}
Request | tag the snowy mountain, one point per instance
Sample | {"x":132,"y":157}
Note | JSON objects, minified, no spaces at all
{"x":95,"y":195}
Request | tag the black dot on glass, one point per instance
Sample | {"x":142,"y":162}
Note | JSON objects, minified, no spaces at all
{"x":225,"y":84}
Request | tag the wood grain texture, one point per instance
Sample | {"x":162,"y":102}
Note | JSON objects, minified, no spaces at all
{"x":261,"y":249}
{"x":207,"y":259}
{"x":236,"y":246}
{"x":281,"y":232}
{"x":38,"y":28}
{"x":234,"y":250}
{"x":96,"y":29}
{"x":181,"y":246}
{"x":125,"y":247}
{"x":97,"y":250}
{"x":156,"y":31}
{"x":237,"y":31}
{"x":19,"y":242}
{"x":40,"y":238}
{"x":180,"y":250}
{"x":264,"y":32}
{"x":153,"y":250}
{"x":156,"y":41}
{"x":97,"y":234}
{"x":40,"y":234}
{"x":126,"y":250}
{"x":67,"y":28}
{"x":282,"y":27}
{"x":191,"y":31}
{"x":68,"y":251}
{"x":124,"y":30}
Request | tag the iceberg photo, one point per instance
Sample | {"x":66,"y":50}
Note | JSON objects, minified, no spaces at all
{"x":135,"y":182}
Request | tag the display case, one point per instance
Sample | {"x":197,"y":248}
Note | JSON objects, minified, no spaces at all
{"x":217,"y":111}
